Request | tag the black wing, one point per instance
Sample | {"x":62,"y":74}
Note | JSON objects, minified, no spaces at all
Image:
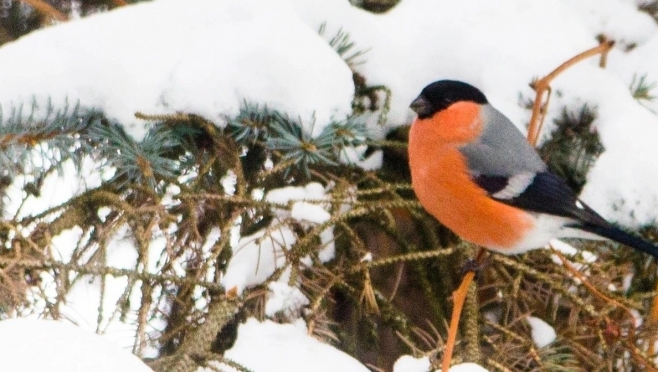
{"x":545,"y":193}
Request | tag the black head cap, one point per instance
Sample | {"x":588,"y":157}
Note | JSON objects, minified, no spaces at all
{"x":443,"y":93}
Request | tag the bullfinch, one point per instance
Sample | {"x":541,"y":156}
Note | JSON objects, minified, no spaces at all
{"x":474,"y":171}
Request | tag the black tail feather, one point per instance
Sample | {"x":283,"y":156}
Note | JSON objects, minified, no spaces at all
{"x":621,"y":237}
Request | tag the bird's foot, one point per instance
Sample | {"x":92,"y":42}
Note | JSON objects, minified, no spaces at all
{"x":475,"y":266}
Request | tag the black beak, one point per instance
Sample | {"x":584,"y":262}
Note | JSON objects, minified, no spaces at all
{"x":422,"y":107}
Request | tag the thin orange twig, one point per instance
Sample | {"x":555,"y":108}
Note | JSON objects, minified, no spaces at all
{"x":459,"y":297}
{"x":542,"y":85}
{"x":46,"y":9}
{"x":610,"y":300}
{"x":586,"y":283}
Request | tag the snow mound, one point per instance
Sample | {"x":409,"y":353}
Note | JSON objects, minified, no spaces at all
{"x":31,"y":345}
{"x":273,"y":347}
{"x":202,"y":56}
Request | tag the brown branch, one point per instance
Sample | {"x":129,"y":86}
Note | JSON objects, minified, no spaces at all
{"x":115,"y":272}
{"x":46,"y":9}
{"x":653,"y":320}
{"x":587,"y":284}
{"x":630,"y":342}
{"x":542,"y":85}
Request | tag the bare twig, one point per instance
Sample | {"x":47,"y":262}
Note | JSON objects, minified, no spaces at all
{"x":542,"y":85}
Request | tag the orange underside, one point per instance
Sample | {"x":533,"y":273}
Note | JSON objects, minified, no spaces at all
{"x":443,"y":185}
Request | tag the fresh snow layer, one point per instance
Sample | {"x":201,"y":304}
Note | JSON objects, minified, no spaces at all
{"x":407,"y":363}
{"x":198,"y":56}
{"x":467,"y":367}
{"x":272,"y":347}
{"x":497,"y":46}
{"x":31,"y":345}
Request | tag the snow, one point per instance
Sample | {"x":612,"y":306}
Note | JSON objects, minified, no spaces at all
{"x":160,"y":57}
{"x":31,"y":345}
{"x":582,"y":266}
{"x":285,"y":299}
{"x":208,"y":56}
{"x":421,"y":41}
{"x":467,"y":367}
{"x":309,"y":208}
{"x":618,"y":20}
{"x":64,"y":185}
{"x":313,"y":190}
{"x":542,"y":333}
{"x":407,"y":363}
{"x":84,"y":304}
{"x":620,"y":178}
{"x":256,"y":257}
{"x":303,"y":211}
{"x":285,"y":348}
{"x":563,"y":247}
{"x":569,"y":250}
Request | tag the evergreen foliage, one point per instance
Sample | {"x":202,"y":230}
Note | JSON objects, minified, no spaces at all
{"x":642,"y":89}
{"x":573,"y":146}
{"x":59,"y":130}
{"x":344,"y":46}
{"x":650,"y":7}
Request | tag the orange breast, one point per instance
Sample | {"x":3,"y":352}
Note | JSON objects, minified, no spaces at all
{"x":444,"y":187}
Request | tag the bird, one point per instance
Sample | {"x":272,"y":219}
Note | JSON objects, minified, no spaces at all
{"x":476,"y":173}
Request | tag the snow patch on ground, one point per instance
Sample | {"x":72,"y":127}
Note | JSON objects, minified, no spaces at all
{"x":32,"y":345}
{"x":407,"y":363}
{"x":273,"y":347}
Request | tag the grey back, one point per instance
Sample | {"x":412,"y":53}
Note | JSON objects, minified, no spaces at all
{"x":502,"y":150}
